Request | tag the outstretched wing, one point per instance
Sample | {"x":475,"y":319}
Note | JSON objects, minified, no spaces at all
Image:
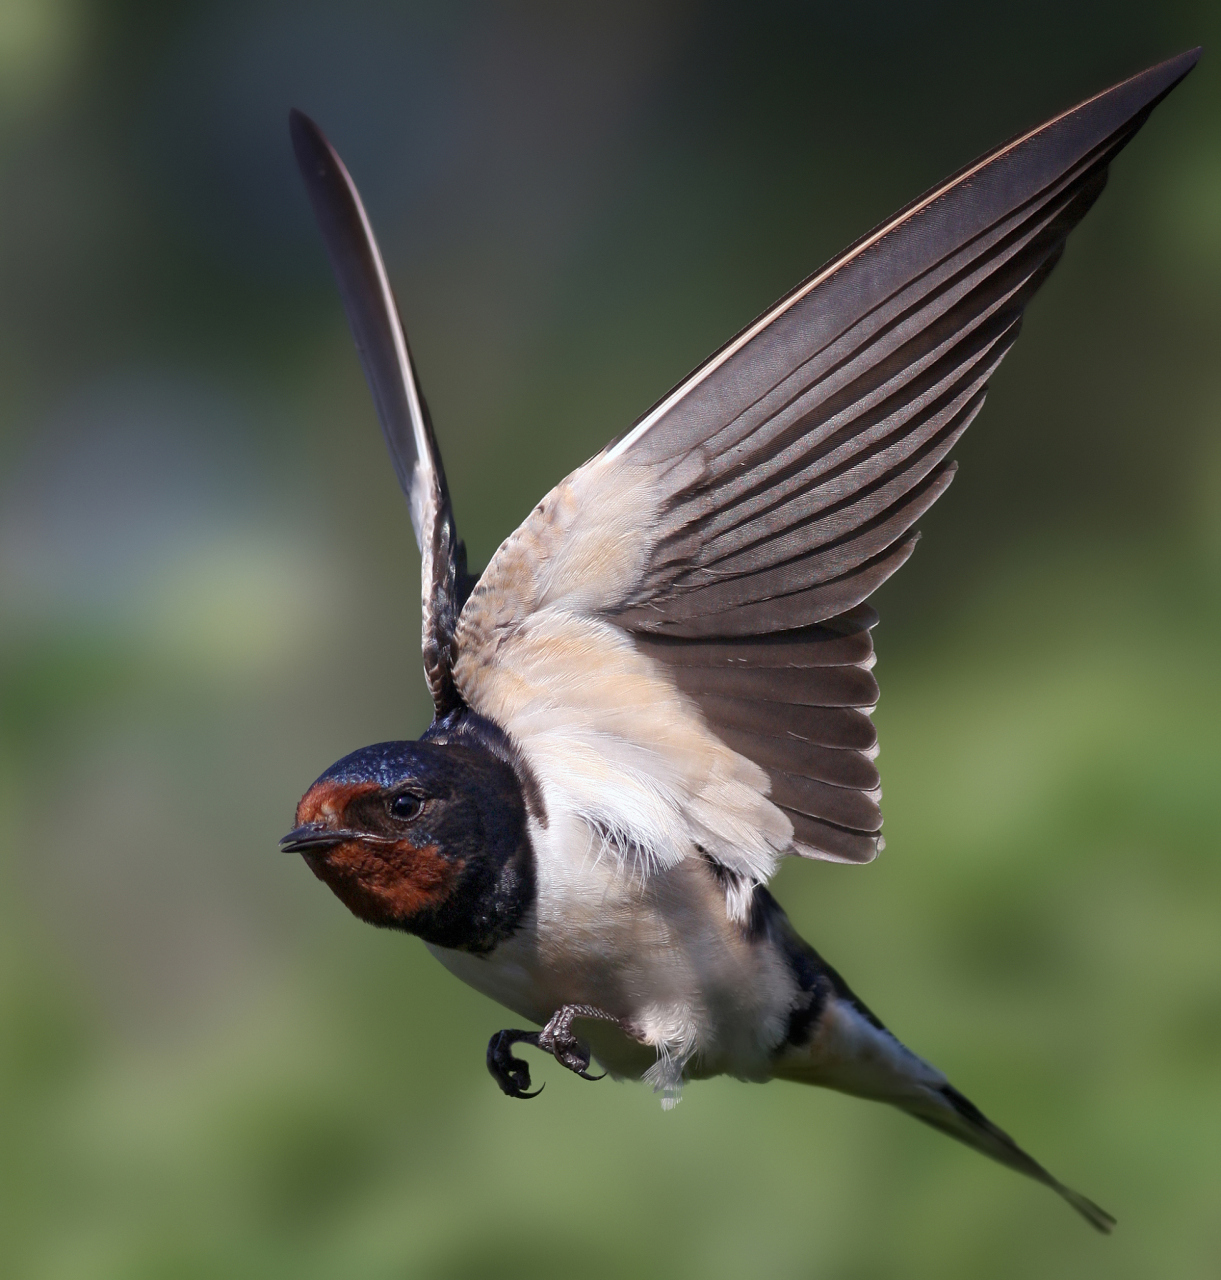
{"x":677,"y":636}
{"x":386,"y":358}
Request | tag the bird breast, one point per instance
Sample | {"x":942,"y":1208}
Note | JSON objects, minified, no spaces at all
{"x":658,"y":953}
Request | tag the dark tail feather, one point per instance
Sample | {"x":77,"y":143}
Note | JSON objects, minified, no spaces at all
{"x":946,"y":1109}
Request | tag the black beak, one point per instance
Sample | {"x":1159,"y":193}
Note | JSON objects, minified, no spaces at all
{"x":313,"y":835}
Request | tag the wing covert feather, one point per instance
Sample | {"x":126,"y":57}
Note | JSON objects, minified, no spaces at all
{"x":732,"y":536}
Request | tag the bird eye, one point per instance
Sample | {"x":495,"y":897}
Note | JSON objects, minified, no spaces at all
{"x":406,"y":807}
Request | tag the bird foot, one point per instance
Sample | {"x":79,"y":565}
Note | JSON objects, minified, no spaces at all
{"x":556,"y":1038}
{"x":511,"y":1073}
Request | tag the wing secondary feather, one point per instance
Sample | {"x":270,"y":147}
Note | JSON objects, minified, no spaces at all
{"x":708,"y":571}
{"x":677,"y":637}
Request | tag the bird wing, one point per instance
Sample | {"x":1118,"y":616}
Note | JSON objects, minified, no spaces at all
{"x":676,"y":637}
{"x":401,"y":409}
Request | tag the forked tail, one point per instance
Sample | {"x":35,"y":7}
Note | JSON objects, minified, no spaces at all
{"x":946,"y":1109}
{"x":845,"y":1047}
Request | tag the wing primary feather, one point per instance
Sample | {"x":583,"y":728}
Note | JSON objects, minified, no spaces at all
{"x":949,"y":357}
{"x":866,"y":440}
{"x":371,"y":309}
{"x":829,"y":511}
{"x":780,"y":613}
{"x":1122,"y":109}
{"x":818,"y":567}
{"x":703,"y":580}
{"x":381,"y":343}
{"x":891,"y":344}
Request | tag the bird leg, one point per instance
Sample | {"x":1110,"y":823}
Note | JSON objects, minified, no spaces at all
{"x":556,"y":1038}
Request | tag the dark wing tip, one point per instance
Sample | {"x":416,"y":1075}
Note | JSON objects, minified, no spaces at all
{"x":1142,"y":92}
{"x":1178,"y":66}
{"x":360,"y":275}
{"x":382,"y":346}
{"x":301,"y":129}
{"x":310,"y":146}
{"x":1172,"y":70}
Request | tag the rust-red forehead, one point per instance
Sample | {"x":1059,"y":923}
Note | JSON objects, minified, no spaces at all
{"x":329,"y":798}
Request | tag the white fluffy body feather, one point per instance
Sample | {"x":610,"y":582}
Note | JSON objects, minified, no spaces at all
{"x":656,"y":952}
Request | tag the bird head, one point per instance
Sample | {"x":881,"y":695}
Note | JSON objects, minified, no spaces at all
{"x":428,"y":837}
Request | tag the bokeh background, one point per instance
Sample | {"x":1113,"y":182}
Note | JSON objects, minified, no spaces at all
{"x":208,"y":593}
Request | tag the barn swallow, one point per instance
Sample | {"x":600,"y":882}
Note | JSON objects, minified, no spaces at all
{"x":662,"y":682}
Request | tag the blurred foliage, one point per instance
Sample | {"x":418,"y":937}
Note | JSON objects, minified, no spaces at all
{"x":207,"y":591}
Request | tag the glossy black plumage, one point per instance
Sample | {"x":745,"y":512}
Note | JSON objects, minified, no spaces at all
{"x":469,"y":827}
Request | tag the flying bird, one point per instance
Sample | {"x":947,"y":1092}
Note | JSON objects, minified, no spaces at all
{"x":662,"y":682}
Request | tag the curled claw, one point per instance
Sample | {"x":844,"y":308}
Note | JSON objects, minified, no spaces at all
{"x":575,"y":1056}
{"x":556,"y":1038}
{"x":512,"y":1074}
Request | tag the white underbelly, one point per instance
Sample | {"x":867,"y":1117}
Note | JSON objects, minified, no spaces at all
{"x":661,"y":957}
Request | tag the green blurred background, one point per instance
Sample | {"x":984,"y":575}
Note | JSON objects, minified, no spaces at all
{"x":208,"y":592}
